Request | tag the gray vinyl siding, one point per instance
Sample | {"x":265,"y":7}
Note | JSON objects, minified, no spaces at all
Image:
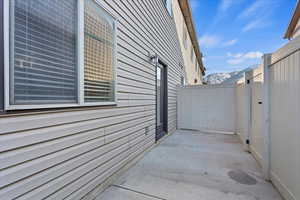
{"x":69,"y":153}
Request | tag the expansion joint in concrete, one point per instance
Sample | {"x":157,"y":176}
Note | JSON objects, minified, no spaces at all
{"x":138,"y":192}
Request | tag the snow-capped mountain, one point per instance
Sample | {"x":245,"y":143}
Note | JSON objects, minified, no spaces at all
{"x":229,"y":78}
{"x":219,"y":78}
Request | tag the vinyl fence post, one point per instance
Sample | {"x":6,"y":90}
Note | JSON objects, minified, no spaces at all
{"x":1,"y":58}
{"x":266,"y":116}
{"x":248,"y":102}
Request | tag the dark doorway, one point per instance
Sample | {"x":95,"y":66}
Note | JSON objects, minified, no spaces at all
{"x":161,"y":101}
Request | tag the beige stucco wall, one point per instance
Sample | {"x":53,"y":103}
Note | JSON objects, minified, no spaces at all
{"x":189,"y":64}
{"x":297,"y":30}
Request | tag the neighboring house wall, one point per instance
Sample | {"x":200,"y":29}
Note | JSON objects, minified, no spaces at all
{"x":191,"y":66}
{"x":293,"y":29}
{"x":71,"y":153}
{"x":297,"y":30}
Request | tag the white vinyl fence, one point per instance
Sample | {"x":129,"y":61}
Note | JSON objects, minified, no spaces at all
{"x":268,"y":115}
{"x":207,"y":108}
{"x":264,"y":109}
{"x":284,"y":104}
{"x":249,"y":109}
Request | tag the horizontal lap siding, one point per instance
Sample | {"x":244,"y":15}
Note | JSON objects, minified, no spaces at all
{"x":69,"y":154}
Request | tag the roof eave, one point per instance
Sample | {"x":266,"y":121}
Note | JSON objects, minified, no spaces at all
{"x":293,"y":22}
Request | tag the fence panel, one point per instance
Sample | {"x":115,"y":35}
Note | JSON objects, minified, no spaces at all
{"x":285,"y":119}
{"x":207,"y":108}
{"x":242,"y":112}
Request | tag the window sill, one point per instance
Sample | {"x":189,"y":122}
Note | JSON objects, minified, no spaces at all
{"x":57,"y":106}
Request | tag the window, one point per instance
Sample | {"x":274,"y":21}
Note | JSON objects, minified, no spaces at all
{"x":43,"y":64}
{"x":182,"y":81}
{"x":47,"y":65}
{"x":99,"y":48}
{"x":185,"y":37}
{"x":168,"y":4}
{"x":192,"y":54}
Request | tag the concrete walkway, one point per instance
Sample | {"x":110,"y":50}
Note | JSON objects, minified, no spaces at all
{"x":194,"y":166}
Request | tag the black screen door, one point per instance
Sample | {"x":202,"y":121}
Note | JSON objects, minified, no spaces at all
{"x":161,"y":102}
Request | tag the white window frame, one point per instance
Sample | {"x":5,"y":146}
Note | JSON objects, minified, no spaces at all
{"x":192,"y":54}
{"x":80,"y":62}
{"x":185,"y":37}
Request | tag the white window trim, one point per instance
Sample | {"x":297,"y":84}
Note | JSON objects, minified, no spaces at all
{"x":80,"y":60}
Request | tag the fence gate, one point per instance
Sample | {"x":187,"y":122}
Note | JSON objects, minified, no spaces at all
{"x":256,"y":138}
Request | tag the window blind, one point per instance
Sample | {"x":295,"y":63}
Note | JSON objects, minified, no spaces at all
{"x":43,"y":51}
{"x":99,"y":74}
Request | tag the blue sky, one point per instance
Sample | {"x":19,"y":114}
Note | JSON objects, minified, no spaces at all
{"x":233,"y":34}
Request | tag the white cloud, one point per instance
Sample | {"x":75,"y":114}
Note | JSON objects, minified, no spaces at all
{"x":259,"y":12}
{"x":239,"y":58}
{"x":260,"y":8}
{"x":215,"y":57}
{"x":258,"y":23}
{"x":209,"y":41}
{"x":212,"y":41}
{"x":254,"y":8}
{"x":222,"y":11}
{"x":230,"y":43}
{"x":238,"y":55}
{"x":253,"y":55}
{"x":235,"y":61}
{"x":194,"y":4}
{"x":225,"y":5}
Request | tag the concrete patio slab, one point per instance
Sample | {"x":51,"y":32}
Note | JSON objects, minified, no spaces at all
{"x":194,"y":166}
